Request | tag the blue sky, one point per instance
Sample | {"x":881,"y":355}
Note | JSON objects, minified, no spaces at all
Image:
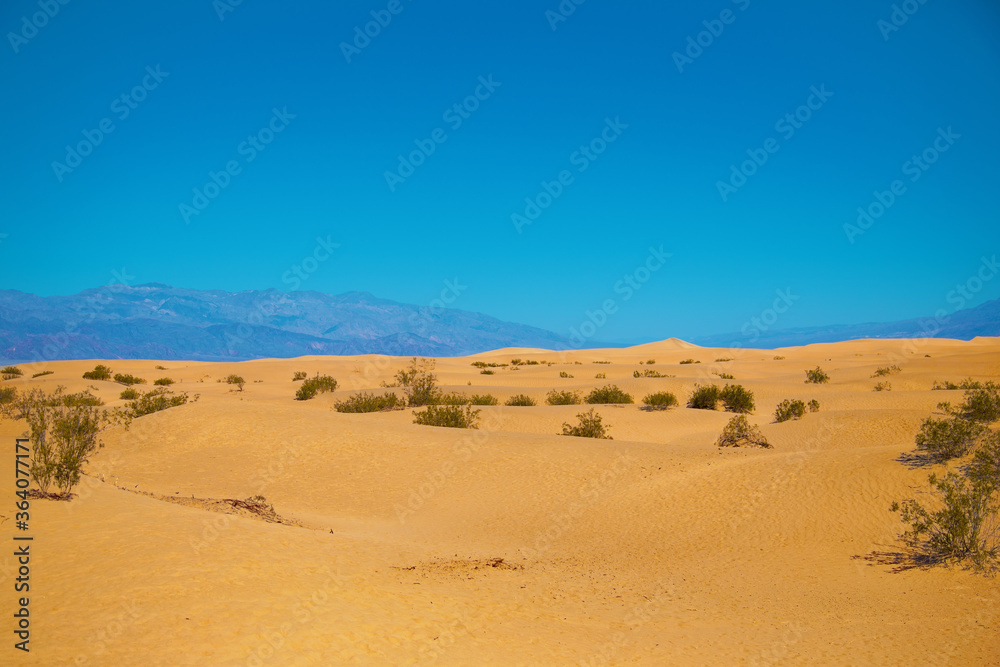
{"x":645,"y":142}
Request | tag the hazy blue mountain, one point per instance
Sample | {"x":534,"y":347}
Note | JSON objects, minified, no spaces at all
{"x":983,"y":320}
{"x":156,"y":321}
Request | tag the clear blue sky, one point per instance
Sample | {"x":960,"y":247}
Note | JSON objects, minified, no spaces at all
{"x":554,"y":90}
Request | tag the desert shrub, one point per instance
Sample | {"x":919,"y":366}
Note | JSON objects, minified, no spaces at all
{"x":239,"y":381}
{"x":741,"y":433}
{"x":8,"y":395}
{"x":649,"y":373}
{"x":883,"y":386}
{"x":450,"y":399}
{"x":961,"y":526}
{"x":813,"y":405}
{"x":448,"y":416}
{"x":562,"y":398}
{"x":299,"y":375}
{"x":483,"y":399}
{"x":944,"y":439}
{"x":365,"y":402}
{"x":589,"y":426}
{"x":690,"y":361}
{"x":42,"y":373}
{"x":660,"y":400}
{"x":80,"y":398}
{"x":650,"y":362}
{"x":722,"y":359}
{"x":100,"y":372}
{"x":483,"y":364}
{"x":725,"y":376}
{"x":486,"y":372}
{"x":882,"y":371}
{"x":520,"y":400}
{"x":160,"y":368}
{"x":310,"y":388}
{"x":941,"y":386}
{"x":789,"y":409}
{"x":419,"y":383}
{"x":129,"y":394}
{"x":155,"y":401}
{"x":163,"y":382}
{"x":737,"y":398}
{"x":10,"y":372}
{"x":982,"y":401}
{"x":600,"y":362}
{"x":816,"y":376}
{"x":601,"y":376}
{"x":704,"y":397}
{"x":564,"y":374}
{"x":608,"y":395}
{"x":778,"y":357}
{"x":985,"y":466}
{"x":128,"y":380}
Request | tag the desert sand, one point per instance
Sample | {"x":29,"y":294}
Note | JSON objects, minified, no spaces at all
{"x":508,"y":545}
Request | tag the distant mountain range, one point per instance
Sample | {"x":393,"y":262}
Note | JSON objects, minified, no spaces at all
{"x":966,"y":324}
{"x":156,"y":321}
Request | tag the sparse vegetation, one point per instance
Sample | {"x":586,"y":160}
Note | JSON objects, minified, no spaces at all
{"x":311,"y":387}
{"x":8,"y":395}
{"x":737,"y":398}
{"x":649,"y":373}
{"x":129,"y":394}
{"x":741,"y":433}
{"x":813,"y":405}
{"x":520,"y":401}
{"x":299,"y":375}
{"x":163,"y":382}
{"x":608,"y":395}
{"x":601,"y":376}
{"x":419,"y":383}
{"x":562,"y":398}
{"x":42,"y":373}
{"x":590,"y":425}
{"x":943,"y":439}
{"x":816,"y":376}
{"x":128,"y":380}
{"x":448,"y":416}
{"x":722,"y":359}
{"x":365,"y":402}
{"x":882,"y":371}
{"x":690,"y":361}
{"x":155,"y":401}
{"x":789,"y":409}
{"x":486,"y":372}
{"x":564,"y":374}
{"x":650,"y":362}
{"x":160,"y":368}
{"x":484,"y":399}
{"x":940,"y":386}
{"x":883,"y":386}
{"x":778,"y":357}
{"x":10,"y":372}
{"x":239,"y":381}
{"x":660,"y":400}
{"x":600,"y":362}
{"x":725,"y":376}
{"x":704,"y":397}
{"x":100,"y":372}
{"x":982,"y":401}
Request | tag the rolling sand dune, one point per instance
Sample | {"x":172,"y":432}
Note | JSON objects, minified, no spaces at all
{"x":509,"y":545}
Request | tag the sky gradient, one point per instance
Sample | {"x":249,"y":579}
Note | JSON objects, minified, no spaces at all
{"x":547,"y":162}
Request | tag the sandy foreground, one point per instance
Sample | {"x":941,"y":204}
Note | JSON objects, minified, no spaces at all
{"x":510,"y":545}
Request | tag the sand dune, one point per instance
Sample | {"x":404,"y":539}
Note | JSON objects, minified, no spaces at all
{"x":509,"y":545}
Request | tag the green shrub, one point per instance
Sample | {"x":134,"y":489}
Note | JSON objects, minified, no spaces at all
{"x":608,"y":395}
{"x":129,"y":394}
{"x":299,"y":375}
{"x":883,"y":386}
{"x":704,"y":397}
{"x":239,"y":381}
{"x":962,"y":528}
{"x":660,"y":400}
{"x":484,"y":399}
{"x":985,"y":466}
{"x":725,"y":376}
{"x":882,"y":371}
{"x":100,"y":372}
{"x":813,"y":405}
{"x":483,"y":364}
{"x":520,"y":400}
{"x":944,"y":439}
{"x":589,"y":426}
{"x":450,"y":399}
{"x":419,"y":383}
{"x":309,"y":388}
{"x":365,"y":402}
{"x":562,"y":398}
{"x":486,"y":372}
{"x":8,"y":395}
{"x":690,"y":361}
{"x":155,"y":401}
{"x":40,"y":374}
{"x":163,"y":382}
{"x":789,"y":409}
{"x":649,"y":373}
{"x":722,"y":359}
{"x":10,"y":372}
{"x":448,"y":416}
{"x":128,"y":380}
{"x":778,"y":357}
{"x":940,"y":386}
{"x":817,"y":376}
{"x":741,"y":433}
{"x":601,"y":376}
{"x":982,"y":401}
{"x":600,"y":362}
{"x":160,"y":368}
{"x":650,"y":362}
{"x":564,"y":374}
{"x":737,"y":398}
